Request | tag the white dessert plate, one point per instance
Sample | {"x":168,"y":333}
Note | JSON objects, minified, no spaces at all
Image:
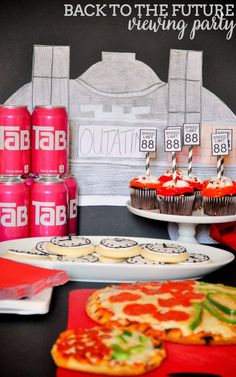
{"x":123,"y":272}
{"x":186,"y":225}
{"x":197,"y":217}
{"x":38,"y":304}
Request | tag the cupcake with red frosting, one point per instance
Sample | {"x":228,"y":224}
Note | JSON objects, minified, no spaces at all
{"x":196,"y":183}
{"x":219,"y":197}
{"x":175,"y":198}
{"x":168,"y":174}
{"x":215,"y":178}
{"x":143,"y":192}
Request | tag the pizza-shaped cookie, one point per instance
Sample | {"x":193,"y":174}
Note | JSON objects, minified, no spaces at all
{"x":107,"y":351}
{"x":183,"y":311}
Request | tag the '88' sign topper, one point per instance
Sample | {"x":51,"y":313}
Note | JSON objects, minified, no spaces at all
{"x":219,"y":144}
{"x":191,"y":134}
{"x":148,"y":140}
{"x":173,"y":139}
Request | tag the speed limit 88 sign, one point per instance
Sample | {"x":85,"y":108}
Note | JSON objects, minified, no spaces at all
{"x":173,"y":142}
{"x":191,"y":134}
{"x":148,"y":140}
{"x":219,"y":144}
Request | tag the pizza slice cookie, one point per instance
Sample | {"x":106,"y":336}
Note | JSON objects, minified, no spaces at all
{"x":107,"y":351}
{"x":184,"y":311}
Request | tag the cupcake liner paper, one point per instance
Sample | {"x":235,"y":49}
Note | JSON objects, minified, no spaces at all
{"x":197,"y":204}
{"x":221,"y":206}
{"x":143,"y":198}
{"x":176,"y":205}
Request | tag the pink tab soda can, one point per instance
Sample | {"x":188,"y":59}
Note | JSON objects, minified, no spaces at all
{"x":72,"y":187}
{"x":49,"y":140}
{"x":15,"y":129}
{"x":14,"y":208}
{"x":48,"y":207}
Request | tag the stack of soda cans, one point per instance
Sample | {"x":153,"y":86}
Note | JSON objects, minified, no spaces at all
{"x":38,"y":197}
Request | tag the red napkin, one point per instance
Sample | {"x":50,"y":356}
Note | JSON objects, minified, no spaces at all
{"x":225,"y":234}
{"x":18,"y":280}
{"x":181,"y":361}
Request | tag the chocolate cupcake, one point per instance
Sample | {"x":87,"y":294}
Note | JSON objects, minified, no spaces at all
{"x":175,"y":198}
{"x":219,"y":197}
{"x":143,"y":192}
{"x":196,"y":184}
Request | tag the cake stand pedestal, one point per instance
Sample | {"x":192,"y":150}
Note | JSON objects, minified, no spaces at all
{"x":186,"y":224}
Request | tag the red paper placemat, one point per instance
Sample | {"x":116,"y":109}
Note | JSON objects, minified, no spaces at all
{"x":181,"y":361}
{"x":18,"y":280}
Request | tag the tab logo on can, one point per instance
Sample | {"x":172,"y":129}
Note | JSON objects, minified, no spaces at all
{"x":13,"y":139}
{"x":73,"y":208}
{"x":48,"y":214}
{"x":13,"y":216}
{"x":47,"y":138}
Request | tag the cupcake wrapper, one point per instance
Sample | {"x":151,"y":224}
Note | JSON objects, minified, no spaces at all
{"x":222,"y":206}
{"x":142,"y":198}
{"x":176,"y":205}
{"x":197,"y":204}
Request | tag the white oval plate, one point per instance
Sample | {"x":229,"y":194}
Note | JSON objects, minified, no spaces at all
{"x":122,"y":272}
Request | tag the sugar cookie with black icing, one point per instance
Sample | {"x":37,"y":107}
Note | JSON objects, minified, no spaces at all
{"x":138,"y":259}
{"x":70,"y":246}
{"x":39,"y":252}
{"x":41,"y":248}
{"x":164,"y":252}
{"x":118,"y":248}
{"x":103,"y":259}
{"x":197,"y":258}
{"x":90,"y":258}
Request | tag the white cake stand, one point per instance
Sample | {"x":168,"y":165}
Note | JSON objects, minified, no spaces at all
{"x":186,"y":224}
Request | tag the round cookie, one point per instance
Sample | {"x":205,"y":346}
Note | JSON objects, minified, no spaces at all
{"x":138,"y":259}
{"x":110,"y":260}
{"x":162,"y":252}
{"x":197,"y":258}
{"x":118,"y":248}
{"x":39,"y":252}
{"x":91,"y":258}
{"x":41,"y":248}
{"x":70,"y":246}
